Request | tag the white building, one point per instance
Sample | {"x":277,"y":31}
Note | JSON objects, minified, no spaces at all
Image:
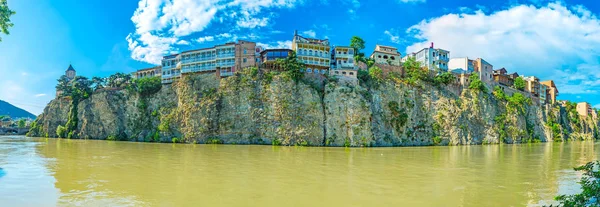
{"x":343,"y":65}
{"x":461,"y":65}
{"x":386,"y":55}
{"x":431,"y":58}
{"x":170,"y":68}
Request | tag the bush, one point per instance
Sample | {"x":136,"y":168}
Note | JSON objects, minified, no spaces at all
{"x":147,"y":85}
{"x":376,"y":74}
{"x":476,"y":83}
{"x":519,"y":83}
{"x":61,"y":131}
{"x":499,"y":93}
{"x":444,"y":78}
{"x":175,"y":140}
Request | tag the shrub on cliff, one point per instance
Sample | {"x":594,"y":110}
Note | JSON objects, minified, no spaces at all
{"x":444,"y":78}
{"x":147,"y":85}
{"x":476,"y":83}
{"x":61,"y":131}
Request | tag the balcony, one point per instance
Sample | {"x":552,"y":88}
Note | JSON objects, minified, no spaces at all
{"x":198,"y":69}
{"x":440,"y":58}
{"x":199,"y":59}
{"x":226,"y":55}
{"x":225,"y":64}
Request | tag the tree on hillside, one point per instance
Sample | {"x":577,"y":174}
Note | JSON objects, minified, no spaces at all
{"x":519,"y":83}
{"x":358,"y":44}
{"x":81,"y":87}
{"x":118,"y":80}
{"x":5,"y":14}
{"x":21,"y":123}
{"x":415,"y":72}
{"x":292,"y":65}
{"x":98,"y":83}
{"x":476,"y":83}
{"x":63,"y":85}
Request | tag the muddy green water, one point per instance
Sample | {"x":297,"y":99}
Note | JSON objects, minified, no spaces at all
{"x":60,"y":172}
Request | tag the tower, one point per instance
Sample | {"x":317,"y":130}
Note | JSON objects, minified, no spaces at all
{"x":70,"y":72}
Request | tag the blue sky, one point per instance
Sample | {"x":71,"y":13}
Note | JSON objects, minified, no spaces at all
{"x":557,"y":40}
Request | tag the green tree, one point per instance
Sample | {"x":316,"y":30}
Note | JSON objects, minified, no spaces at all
{"x":444,"y":78}
{"x":376,"y":74}
{"x":415,"y":72}
{"x":358,"y":44}
{"x":519,"y":83}
{"x":147,"y":85}
{"x":21,"y":123}
{"x":499,"y":93}
{"x":476,"y":83}
{"x":370,"y":62}
{"x":590,"y":185}
{"x":61,"y":131}
{"x":98,"y":83}
{"x":292,"y":66}
{"x":5,"y":14}
{"x":118,"y":80}
{"x":63,"y":85}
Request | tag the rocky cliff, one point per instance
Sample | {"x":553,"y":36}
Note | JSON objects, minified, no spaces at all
{"x":255,"y":108}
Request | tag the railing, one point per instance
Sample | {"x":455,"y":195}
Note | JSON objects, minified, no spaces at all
{"x":226,"y":55}
{"x":168,"y":67}
{"x":442,"y":58}
{"x":313,"y":55}
{"x":198,"y":69}
{"x":226,"y":64}
{"x":191,"y":60}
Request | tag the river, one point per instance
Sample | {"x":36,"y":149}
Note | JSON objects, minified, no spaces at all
{"x":62,"y":172}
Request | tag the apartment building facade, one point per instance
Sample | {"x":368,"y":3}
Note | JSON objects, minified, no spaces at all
{"x":269,"y":57}
{"x":431,"y":58}
{"x":386,"y":55}
{"x":343,"y":65}
{"x":584,"y":109}
{"x":314,"y":53}
{"x":532,"y":85}
{"x":148,"y":72}
{"x":223,"y":59}
{"x":485,"y":70}
{"x":552,"y":91}
{"x":461,"y":65}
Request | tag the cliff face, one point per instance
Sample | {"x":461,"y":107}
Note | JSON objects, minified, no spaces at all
{"x":260,"y":109}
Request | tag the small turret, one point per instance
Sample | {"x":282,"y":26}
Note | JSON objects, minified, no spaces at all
{"x":70,"y":72}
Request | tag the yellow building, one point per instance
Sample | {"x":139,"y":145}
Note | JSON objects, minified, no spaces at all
{"x":314,"y":53}
{"x":584,"y":109}
{"x":552,"y":92}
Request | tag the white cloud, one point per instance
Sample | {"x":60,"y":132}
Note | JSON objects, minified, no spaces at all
{"x":183,"y":42}
{"x":551,"y":42}
{"x":395,"y":38}
{"x":40,"y":95}
{"x":161,"y":24}
{"x":278,"y":44}
{"x":205,"y":39}
{"x":24,"y":74}
{"x":309,"y":33}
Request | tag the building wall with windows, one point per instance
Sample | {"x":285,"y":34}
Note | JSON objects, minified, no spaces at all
{"x":223,"y":59}
{"x":268,"y":58}
{"x":532,"y":85}
{"x":171,"y":68}
{"x":343,"y":65}
{"x":431,"y":58}
{"x":148,"y":72}
{"x":485,"y":70}
{"x":461,"y":64}
{"x":584,"y":109}
{"x":552,"y":91}
{"x":386,"y":55}
{"x":314,"y":53}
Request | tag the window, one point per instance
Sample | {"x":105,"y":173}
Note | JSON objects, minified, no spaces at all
{"x":244,"y":60}
{"x":316,"y":71}
{"x":343,"y":73}
{"x":323,"y":71}
{"x":245,"y":51}
{"x":351,"y":73}
{"x":308,"y":70}
{"x":337,"y":72}
{"x":379,"y":56}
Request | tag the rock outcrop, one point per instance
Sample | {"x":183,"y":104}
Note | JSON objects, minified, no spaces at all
{"x":257,"y":109}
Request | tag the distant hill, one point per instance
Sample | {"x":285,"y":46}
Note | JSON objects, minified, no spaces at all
{"x":13,"y":111}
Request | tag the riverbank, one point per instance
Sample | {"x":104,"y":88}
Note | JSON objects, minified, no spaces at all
{"x":271,"y":108}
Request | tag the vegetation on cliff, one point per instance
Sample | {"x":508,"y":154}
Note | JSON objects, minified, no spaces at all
{"x":282,"y":107}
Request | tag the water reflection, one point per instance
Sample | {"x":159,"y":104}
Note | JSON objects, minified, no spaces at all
{"x":99,"y":173}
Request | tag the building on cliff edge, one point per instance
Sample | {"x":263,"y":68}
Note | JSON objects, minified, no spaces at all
{"x":223,"y":60}
{"x":431,"y":58}
{"x":314,"y":53}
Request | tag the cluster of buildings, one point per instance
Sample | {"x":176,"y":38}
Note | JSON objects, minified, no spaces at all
{"x":321,"y":58}
{"x":585,"y":109}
